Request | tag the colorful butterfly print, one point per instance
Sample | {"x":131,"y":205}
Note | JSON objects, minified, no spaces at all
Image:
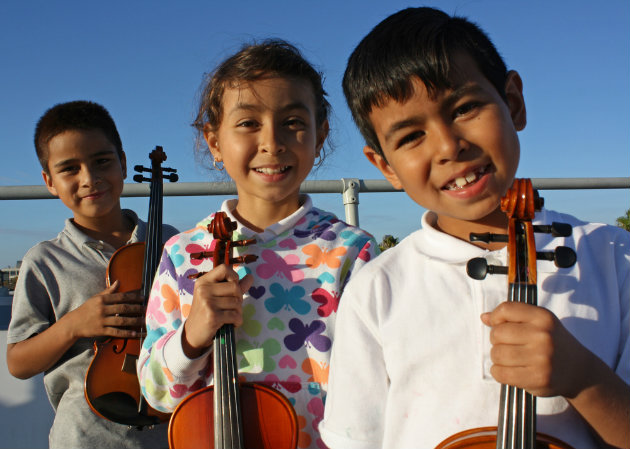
{"x":184,"y":284}
{"x":194,"y":248}
{"x":317,"y":370}
{"x":317,"y":231}
{"x":304,"y":438}
{"x":329,"y":302}
{"x":323,"y":256}
{"x":171,"y":299}
{"x":250,"y":326}
{"x":365,"y":255}
{"x":308,"y":335}
{"x":256,"y":359}
{"x":289,"y":299}
{"x":283,"y":267}
{"x":153,"y":310}
{"x":152,"y":336}
{"x":293,"y":384}
{"x":167,"y":262}
{"x":316,"y":407}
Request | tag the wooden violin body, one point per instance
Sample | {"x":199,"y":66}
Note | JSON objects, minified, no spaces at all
{"x":516,"y":427}
{"x":231,"y":414}
{"x":112,"y":389}
{"x":266,"y":412}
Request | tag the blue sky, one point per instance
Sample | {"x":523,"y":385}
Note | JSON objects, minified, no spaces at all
{"x":144,"y":61}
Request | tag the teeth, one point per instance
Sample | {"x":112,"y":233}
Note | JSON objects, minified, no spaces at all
{"x":462,"y":181}
{"x":271,"y":171}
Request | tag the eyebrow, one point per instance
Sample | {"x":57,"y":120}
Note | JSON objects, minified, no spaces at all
{"x":92,"y":156}
{"x":450,"y":99}
{"x":254,"y":107}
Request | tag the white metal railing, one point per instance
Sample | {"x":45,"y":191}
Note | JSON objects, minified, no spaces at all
{"x":349,"y":188}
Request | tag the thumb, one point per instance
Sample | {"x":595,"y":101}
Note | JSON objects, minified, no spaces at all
{"x":485,"y":318}
{"x":246,"y":283}
{"x":113,"y":287}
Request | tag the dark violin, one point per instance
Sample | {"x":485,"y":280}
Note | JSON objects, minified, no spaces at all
{"x":517,"y":408}
{"x":231,"y":414}
{"x":112,"y":388}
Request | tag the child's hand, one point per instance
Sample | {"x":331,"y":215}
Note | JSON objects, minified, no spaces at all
{"x":217,"y":300}
{"x":532,"y":350}
{"x":109,"y":314}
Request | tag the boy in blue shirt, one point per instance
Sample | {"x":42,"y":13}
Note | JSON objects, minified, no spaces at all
{"x":412,"y":363}
{"x":61,"y":304}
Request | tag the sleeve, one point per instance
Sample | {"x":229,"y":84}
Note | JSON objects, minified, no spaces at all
{"x":623,"y":264}
{"x":165,"y":373}
{"x":31,"y":309}
{"x":358,"y":382}
{"x":366,"y":250}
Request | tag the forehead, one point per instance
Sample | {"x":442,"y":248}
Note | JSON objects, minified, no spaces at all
{"x":273,"y":93}
{"x":464,"y":77}
{"x":78,"y":143}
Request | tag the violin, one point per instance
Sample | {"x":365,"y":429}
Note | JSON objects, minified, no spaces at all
{"x":516,"y":427}
{"x":112,"y":389}
{"x":231,"y":414}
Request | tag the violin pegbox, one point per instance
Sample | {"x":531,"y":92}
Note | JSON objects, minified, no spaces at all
{"x":157,"y":156}
{"x":520,"y":204}
{"x":222,"y":228}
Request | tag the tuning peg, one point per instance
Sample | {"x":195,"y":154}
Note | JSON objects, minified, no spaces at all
{"x":487,"y":237}
{"x":140,"y":168}
{"x":555,"y":229}
{"x":562,"y":256}
{"x":173,"y":177}
{"x":169,"y":170}
{"x":140,"y":178}
{"x":478,"y":268}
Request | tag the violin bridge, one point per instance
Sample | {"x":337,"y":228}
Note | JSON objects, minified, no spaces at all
{"x":129,"y":364}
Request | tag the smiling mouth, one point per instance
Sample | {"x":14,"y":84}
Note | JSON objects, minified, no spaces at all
{"x":469,"y":178}
{"x":272,"y":171}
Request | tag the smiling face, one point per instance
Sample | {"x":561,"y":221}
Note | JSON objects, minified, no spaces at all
{"x":268,"y":140}
{"x":86,"y":173}
{"x":454,"y":152}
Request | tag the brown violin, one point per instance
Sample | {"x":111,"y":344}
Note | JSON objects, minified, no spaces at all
{"x":231,"y":414}
{"x":112,"y":388}
{"x":517,"y":408}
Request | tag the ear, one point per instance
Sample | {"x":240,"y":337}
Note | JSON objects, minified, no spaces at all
{"x":123,"y":164}
{"x":212,"y":140}
{"x":515,"y":99}
{"x":381,"y":163}
{"x":322,"y":133}
{"x":49,"y":183}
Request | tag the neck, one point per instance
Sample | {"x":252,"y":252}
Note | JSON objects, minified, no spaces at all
{"x":496,"y":223}
{"x":259,"y":215}
{"x":114,"y":229}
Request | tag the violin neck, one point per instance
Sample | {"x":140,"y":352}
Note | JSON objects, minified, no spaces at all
{"x":153,"y":240}
{"x":228,"y":426}
{"x":517,"y":407}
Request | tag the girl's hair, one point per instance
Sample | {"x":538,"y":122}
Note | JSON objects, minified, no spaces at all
{"x":270,"y":58}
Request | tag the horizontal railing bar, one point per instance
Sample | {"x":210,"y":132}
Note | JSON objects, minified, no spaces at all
{"x":38,"y":192}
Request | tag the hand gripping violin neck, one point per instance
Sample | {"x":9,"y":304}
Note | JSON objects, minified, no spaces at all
{"x":516,"y":427}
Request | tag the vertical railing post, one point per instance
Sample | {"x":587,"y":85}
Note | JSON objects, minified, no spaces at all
{"x":351,"y":200}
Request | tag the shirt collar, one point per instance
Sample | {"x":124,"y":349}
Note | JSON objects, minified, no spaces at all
{"x":275,"y":229}
{"x":85,"y":240}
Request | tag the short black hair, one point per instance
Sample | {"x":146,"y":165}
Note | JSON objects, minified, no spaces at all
{"x":413,"y":43}
{"x":74,"y":115}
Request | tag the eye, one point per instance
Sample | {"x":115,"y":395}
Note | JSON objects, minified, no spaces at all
{"x":246,"y":123}
{"x":410,"y":138}
{"x":466,"y":108}
{"x":295,"y":123}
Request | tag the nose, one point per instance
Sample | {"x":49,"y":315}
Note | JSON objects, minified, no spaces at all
{"x":271,"y":140}
{"x":90,"y":176}
{"x":448,"y":143}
